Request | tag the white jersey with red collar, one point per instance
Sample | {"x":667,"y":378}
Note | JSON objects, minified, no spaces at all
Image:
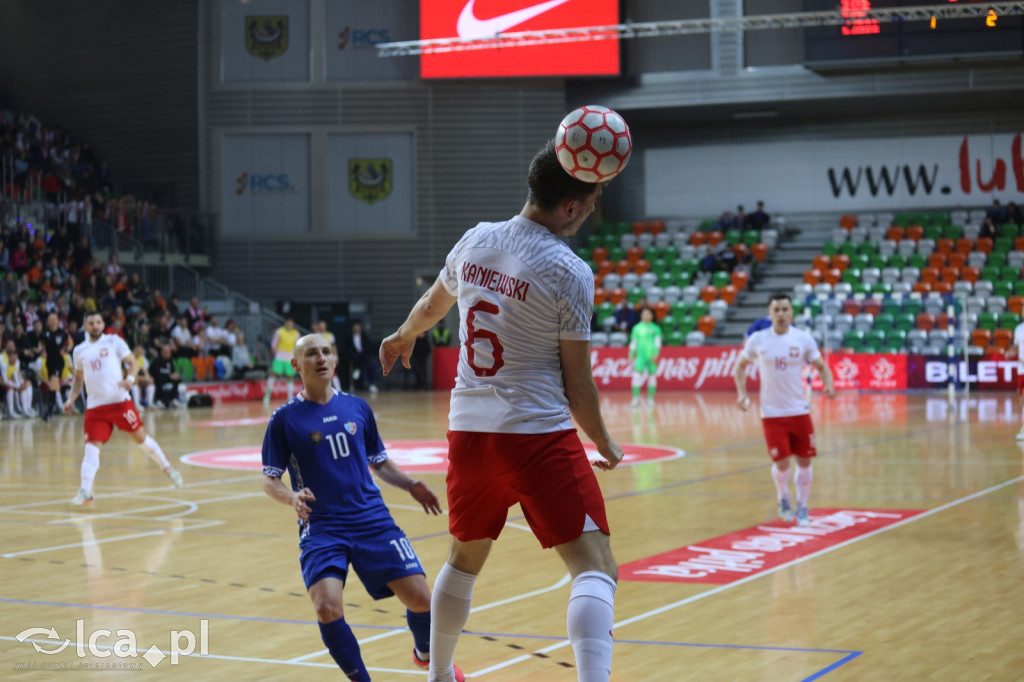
{"x":781,"y":359}
{"x":1018,"y":340}
{"x":521,"y":290}
{"x":100,"y":362}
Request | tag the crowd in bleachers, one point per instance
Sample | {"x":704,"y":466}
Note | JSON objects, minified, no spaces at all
{"x":45,"y":163}
{"x":904,"y":282}
{"x":42,"y":277}
{"x":687,"y":272}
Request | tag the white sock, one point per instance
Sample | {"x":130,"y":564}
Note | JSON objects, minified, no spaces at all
{"x":152,"y":449}
{"x":270,"y":387}
{"x":150,"y":394}
{"x":449,"y":611}
{"x":10,"y":401}
{"x":90,"y":465}
{"x":291,"y":389}
{"x":26,"y":401}
{"x":135,"y":394}
{"x":59,"y":399}
{"x":804,"y":476}
{"x":590,"y":617}
{"x":781,"y":481}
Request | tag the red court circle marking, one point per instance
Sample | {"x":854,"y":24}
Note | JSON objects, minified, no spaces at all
{"x":414,"y":456}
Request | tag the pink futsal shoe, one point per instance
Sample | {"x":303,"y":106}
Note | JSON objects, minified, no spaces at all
{"x":420,"y":663}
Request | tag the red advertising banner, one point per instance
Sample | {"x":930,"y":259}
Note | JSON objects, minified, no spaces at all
{"x":865,"y":372}
{"x":486,"y":18}
{"x":238,"y":391}
{"x":754,"y":550}
{"x":706,"y":368}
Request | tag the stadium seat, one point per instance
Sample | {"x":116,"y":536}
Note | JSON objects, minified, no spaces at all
{"x":822,"y":262}
{"x":695,"y":338}
{"x":598,"y":339}
{"x":709,"y":293}
{"x":988,"y":321}
{"x":925,"y":321}
{"x":599,"y":254}
{"x":1009,"y":320}
{"x":675,"y":338}
{"x":661,"y":310}
{"x":885,"y":321}
{"x":760,"y":252}
{"x":706,"y":325}
{"x":600,"y":296}
{"x":729,"y":293}
{"x":981,"y":338}
{"x":1002,"y":339}
{"x":959,"y":260}
{"x":984,"y":244}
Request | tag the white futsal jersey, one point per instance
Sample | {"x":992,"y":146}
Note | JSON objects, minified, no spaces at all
{"x":521,"y":290}
{"x":100,"y":362}
{"x":781,"y":359}
{"x":1018,"y":340}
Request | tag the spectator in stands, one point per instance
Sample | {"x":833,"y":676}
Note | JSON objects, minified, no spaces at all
{"x":166,"y":379}
{"x":143,"y":381}
{"x":361,"y":354}
{"x":626,"y":315}
{"x":5,"y":257}
{"x":19,"y":260}
{"x":19,"y":389}
{"x":217,"y":337}
{"x":196,"y":315}
{"x":997,"y":213}
{"x":419,"y":362}
{"x":1013,"y":213}
{"x":81,"y":257}
{"x":989,"y":228}
{"x":60,"y":244}
{"x":758,"y":220}
{"x":181,"y":335}
{"x":241,"y":358}
{"x":440,"y":335}
{"x":740,"y":219}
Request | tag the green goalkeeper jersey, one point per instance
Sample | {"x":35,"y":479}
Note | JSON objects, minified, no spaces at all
{"x":645,"y":341}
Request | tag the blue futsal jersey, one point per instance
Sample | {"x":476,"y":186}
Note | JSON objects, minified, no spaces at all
{"x":328,"y":449}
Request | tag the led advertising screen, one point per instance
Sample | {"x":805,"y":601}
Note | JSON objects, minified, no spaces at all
{"x":485,"y":18}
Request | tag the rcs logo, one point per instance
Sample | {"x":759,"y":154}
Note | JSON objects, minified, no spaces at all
{"x":362,"y":37}
{"x":263,"y":184}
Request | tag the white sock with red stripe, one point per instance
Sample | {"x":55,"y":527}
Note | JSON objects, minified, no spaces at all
{"x":153,"y":451}
{"x":804,"y":476}
{"x":90,"y":465}
{"x":589,"y":619}
{"x":781,"y":478}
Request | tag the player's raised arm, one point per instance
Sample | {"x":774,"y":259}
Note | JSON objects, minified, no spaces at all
{"x":432,"y":306}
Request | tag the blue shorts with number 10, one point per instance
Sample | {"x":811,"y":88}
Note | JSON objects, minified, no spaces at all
{"x":378,"y":556}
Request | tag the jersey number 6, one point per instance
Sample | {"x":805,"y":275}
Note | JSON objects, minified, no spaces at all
{"x":472,"y":334}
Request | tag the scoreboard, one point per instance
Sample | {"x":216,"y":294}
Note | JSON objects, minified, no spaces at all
{"x":860,"y":40}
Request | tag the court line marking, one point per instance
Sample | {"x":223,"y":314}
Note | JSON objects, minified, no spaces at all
{"x":119,"y":538}
{"x":561,"y":583}
{"x":134,"y":491}
{"x":743,"y":581}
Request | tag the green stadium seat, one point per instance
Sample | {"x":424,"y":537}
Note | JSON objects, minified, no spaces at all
{"x":933,"y":232}
{"x":616,"y":253}
{"x":990,"y":273}
{"x":917,"y":260}
{"x":680,"y":309}
{"x":676,"y":338}
{"x":853,"y":339}
{"x":721,"y":279}
{"x":875,"y":339}
{"x":847,"y":248}
{"x":902,"y":219}
{"x":584,"y":253}
{"x":751,"y":237}
{"x":687,"y":324}
{"x":670,"y":252}
{"x":878,"y":261}
{"x":733,"y":237}
{"x":1009,"y":321}
{"x":884,"y":321}
{"x":183,"y":366}
{"x":906,"y":321}
{"x":604,"y":311}
{"x":897,"y":260}
{"x":1003,"y":288}
{"x":868,"y":248}
{"x":593,"y":266}
{"x":953,"y":232}
{"x":989,"y":321}
{"x":666,"y":279}
{"x":1010,"y":230}
{"x":699,"y":309}
{"x":896,"y":338}
{"x":1018,"y":288}
{"x":635,"y":295}
{"x":861,"y":288}
{"x":860,"y":260}
{"x":1010,"y":274}
{"x":851,"y":275}
{"x":882,"y":288}
{"x":668,"y":324}
{"x":830,"y":249}
{"x":1003,"y":245}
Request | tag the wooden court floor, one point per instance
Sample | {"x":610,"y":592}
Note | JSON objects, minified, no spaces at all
{"x":934,"y":596}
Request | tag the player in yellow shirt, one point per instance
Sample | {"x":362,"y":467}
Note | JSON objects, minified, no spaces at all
{"x":283,"y":347}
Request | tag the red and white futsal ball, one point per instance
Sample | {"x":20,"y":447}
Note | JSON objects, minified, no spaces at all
{"x":593,"y":143}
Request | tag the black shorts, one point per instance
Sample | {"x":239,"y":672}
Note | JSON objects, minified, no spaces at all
{"x":54,"y":365}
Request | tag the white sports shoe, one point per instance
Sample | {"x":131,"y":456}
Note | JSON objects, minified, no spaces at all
{"x":81,"y":497}
{"x":634,"y":402}
{"x":175,"y":477}
{"x":1020,"y":435}
{"x":802,"y":518}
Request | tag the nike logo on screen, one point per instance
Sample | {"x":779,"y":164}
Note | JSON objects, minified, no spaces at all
{"x":471,"y":27}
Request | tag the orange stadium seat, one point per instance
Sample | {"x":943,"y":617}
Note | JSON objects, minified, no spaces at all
{"x":634,"y":253}
{"x":600,"y":296}
{"x":617,"y":295}
{"x":812,"y":276}
{"x":604,"y":267}
{"x":708,"y":293}
{"x":641,"y":266}
{"x":848,"y":221}
{"x":852,"y":306}
{"x":957,"y":260}
{"x":623,"y":266}
{"x":915,"y":232}
{"x":740,"y":279}
{"x":1002,"y":339}
{"x":1016,"y":305}
{"x":599,"y":254}
{"x":925,"y":321}
{"x":760,"y":252}
{"x":1018,"y":244}
{"x":661,"y":310}
{"x":950,"y":274}
{"x":964,"y":245}
{"x":715,"y":237}
{"x":937,"y":260}
{"x":945,"y":246}
{"x":706,"y":325}
{"x":698,"y":238}
{"x":895,"y":233}
{"x":639,"y":227}
{"x":203,"y":367}
{"x":872,"y":306}
{"x":943,"y":287}
{"x":983,"y":244}
{"x":970,"y":274}
{"x":741,"y":251}
{"x":841,"y":261}
{"x":922,"y":287}
{"x":657,"y":226}
{"x":822,"y":262}
{"x":981,"y":337}
{"x":728,"y":294}
{"x":833,"y":276}
{"x":942,"y":321}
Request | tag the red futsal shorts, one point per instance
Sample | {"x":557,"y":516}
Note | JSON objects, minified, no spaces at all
{"x":100,"y":421}
{"x":1020,"y":381}
{"x":548,"y":474}
{"x":788,"y":436}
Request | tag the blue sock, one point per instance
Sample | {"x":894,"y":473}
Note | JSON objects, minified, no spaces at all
{"x":419,"y":624}
{"x":344,"y":649}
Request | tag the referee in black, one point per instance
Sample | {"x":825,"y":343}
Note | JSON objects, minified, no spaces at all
{"x":54,"y":341}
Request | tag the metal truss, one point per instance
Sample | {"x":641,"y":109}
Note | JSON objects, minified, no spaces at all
{"x":652,"y":29}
